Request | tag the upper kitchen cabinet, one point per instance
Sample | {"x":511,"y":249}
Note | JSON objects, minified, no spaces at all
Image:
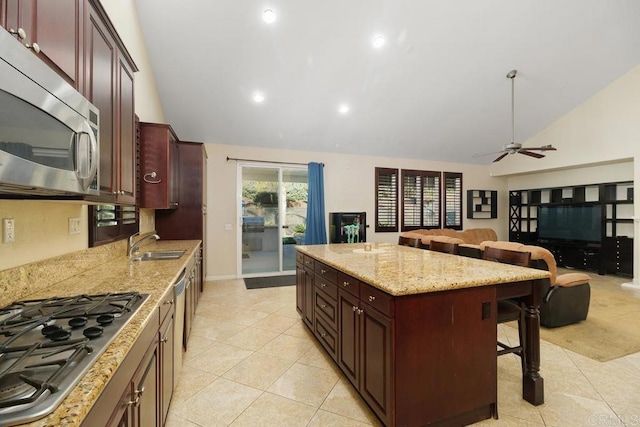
{"x":53,"y":30}
{"x":109,"y":87}
{"x":159,"y":167}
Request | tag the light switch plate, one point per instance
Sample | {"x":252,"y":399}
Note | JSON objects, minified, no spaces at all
{"x":74,"y":226}
{"x":8,"y":230}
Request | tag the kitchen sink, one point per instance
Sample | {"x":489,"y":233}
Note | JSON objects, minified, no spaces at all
{"x":159,"y":255}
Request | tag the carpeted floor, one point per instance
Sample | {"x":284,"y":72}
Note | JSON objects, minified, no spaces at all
{"x":269,"y":282}
{"x":612,"y":328}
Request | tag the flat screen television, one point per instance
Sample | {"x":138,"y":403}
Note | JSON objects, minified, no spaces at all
{"x":580,"y":223}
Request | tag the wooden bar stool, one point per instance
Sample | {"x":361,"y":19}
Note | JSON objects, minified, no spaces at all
{"x":510,"y":310}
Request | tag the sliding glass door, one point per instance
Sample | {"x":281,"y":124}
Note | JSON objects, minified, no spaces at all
{"x":273,"y":207}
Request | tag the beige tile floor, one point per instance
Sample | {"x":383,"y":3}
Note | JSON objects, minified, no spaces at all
{"x":252,"y":362}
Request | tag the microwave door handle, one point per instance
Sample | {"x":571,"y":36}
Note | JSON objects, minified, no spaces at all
{"x":93,"y":157}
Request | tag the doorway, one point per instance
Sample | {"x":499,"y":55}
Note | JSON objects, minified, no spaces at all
{"x":273,"y":214}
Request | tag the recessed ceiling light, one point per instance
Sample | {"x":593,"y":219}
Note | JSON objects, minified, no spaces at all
{"x":378,"y":41}
{"x":343,"y":109}
{"x":269,"y":16}
{"x":258,"y":97}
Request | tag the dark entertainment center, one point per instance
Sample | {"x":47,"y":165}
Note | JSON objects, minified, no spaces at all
{"x":589,"y":227}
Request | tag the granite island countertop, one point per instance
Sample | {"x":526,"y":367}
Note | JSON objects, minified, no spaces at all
{"x":402,"y":270}
{"x":117,"y":274}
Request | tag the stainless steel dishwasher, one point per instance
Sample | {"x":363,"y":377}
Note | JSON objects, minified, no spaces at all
{"x":179,"y":323}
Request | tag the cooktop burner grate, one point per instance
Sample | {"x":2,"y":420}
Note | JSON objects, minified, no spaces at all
{"x":47,"y":345}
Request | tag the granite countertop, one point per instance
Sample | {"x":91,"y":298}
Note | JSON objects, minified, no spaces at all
{"x":402,"y":270}
{"x":115,"y":275}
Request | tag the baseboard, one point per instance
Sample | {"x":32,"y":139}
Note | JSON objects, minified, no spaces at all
{"x":632,"y":285}
{"x":226,"y":277}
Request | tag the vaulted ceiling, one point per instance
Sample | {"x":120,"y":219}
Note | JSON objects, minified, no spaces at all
{"x":436,"y":89}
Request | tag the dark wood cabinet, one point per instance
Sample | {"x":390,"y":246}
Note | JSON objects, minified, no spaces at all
{"x":188,"y":221}
{"x":145,"y":391}
{"x":610,"y":252}
{"x":166,"y":378}
{"x":159,"y":167}
{"x":191,"y":301}
{"x":55,"y":27}
{"x":415,"y":359}
{"x":365,"y":350}
{"x":110,"y":87}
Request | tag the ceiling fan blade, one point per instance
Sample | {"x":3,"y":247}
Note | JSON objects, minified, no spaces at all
{"x":530,"y":153}
{"x":486,"y":154}
{"x":543,"y":148}
{"x":502,"y":156}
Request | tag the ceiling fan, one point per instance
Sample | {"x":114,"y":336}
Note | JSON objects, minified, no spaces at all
{"x":515,"y":147}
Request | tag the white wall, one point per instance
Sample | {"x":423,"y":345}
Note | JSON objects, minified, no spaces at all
{"x":349,"y":186}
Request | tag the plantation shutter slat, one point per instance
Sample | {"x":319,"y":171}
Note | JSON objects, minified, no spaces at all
{"x":386,"y":200}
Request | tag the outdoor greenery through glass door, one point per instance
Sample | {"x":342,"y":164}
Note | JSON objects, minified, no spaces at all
{"x":274,"y":210}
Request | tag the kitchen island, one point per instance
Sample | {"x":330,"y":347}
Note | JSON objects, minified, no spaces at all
{"x":414,"y":330}
{"x":98,"y":271}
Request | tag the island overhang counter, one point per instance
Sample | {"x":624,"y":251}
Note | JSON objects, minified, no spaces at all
{"x":414,"y":330}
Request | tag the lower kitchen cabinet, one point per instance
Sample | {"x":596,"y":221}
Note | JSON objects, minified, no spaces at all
{"x":191,"y":298}
{"x":417,"y":359}
{"x":365,"y":351}
{"x":167,"y":380}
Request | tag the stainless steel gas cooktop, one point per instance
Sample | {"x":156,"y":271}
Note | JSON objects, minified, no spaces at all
{"x":47,"y":345}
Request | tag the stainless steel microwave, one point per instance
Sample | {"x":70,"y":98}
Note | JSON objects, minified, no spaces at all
{"x":48,"y":130}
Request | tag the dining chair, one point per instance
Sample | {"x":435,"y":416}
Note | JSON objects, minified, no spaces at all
{"x":446,"y":247}
{"x":409,"y":241}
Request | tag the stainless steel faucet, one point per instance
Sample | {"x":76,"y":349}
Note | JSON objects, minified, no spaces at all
{"x":133,"y":248}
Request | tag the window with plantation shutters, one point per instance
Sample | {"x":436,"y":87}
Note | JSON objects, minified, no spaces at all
{"x":452,"y":200}
{"x":386,"y":199}
{"x":420,"y":199}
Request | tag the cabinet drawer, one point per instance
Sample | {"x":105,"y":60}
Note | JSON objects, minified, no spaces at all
{"x":299,"y":257}
{"x":167,"y":303}
{"x":349,"y":284}
{"x":307,"y":262}
{"x":327,"y":337}
{"x":379,"y":300}
{"x":326,"y":307}
{"x":328,"y":273}
{"x":326,"y":286}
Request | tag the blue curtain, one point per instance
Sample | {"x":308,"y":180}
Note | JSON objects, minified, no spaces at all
{"x":316,"y":232}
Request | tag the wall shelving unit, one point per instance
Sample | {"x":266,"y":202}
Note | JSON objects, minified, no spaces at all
{"x":614,"y":252}
{"x":482,"y":204}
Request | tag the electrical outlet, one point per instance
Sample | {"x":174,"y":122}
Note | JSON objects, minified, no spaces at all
{"x":74,"y":225}
{"x":227,"y":227}
{"x":8,"y":230}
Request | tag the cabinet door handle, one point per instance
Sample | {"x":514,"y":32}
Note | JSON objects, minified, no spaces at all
{"x":151,"y":178}
{"x":19,"y":32}
{"x":323,"y":335}
{"x":323,"y":271}
{"x":323,"y":305}
{"x":354,"y":308}
{"x":360,"y":311}
{"x":323,"y":285}
{"x":345,"y":283}
{"x":164,"y":340}
{"x":170,"y":302}
{"x":371,"y":297}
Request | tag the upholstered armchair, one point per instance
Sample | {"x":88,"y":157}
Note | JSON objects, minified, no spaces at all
{"x":566,"y":298}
